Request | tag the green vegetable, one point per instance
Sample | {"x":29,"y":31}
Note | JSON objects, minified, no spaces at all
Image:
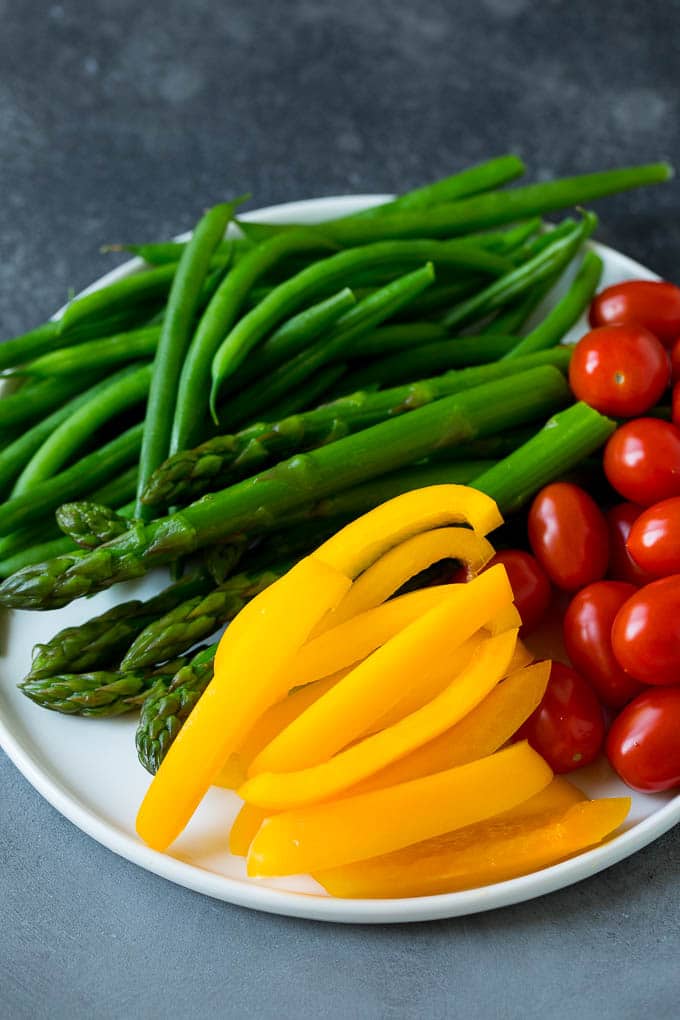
{"x":124,"y":390}
{"x":36,"y":398}
{"x":566,"y":440}
{"x":546,"y":263}
{"x":224,"y":459}
{"x":159,"y":253}
{"x":100,"y":524}
{"x":257,"y":504}
{"x":307,"y":394}
{"x":173,"y":342}
{"x":168,"y":705}
{"x":567,"y":310}
{"x":95,"y":355}
{"x":391,"y":339}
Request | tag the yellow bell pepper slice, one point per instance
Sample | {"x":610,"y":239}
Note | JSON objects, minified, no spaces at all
{"x":342,"y":831}
{"x":507,"y":619}
{"x":404,"y":561}
{"x":369,"y":690}
{"x":271,"y":722}
{"x":359,"y":544}
{"x":280,"y":791}
{"x":353,"y":640}
{"x":492,"y":851}
{"x":486,"y":728}
{"x":244,"y":829}
{"x":249,"y":663}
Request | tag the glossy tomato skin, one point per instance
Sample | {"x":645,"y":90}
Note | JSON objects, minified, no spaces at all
{"x":654,"y":539}
{"x":568,"y":535}
{"x":649,"y":303}
{"x":646,"y":633}
{"x":587,"y":639}
{"x":675,"y":405}
{"x":530,"y":586}
{"x":567,"y":728}
{"x":643,"y":745}
{"x":622,"y":567}
{"x":675,"y":361}
{"x":620,"y":370}
{"x":642,"y":460}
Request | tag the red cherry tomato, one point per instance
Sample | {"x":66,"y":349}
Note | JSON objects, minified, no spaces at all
{"x":650,"y":303}
{"x":567,"y":728}
{"x":643,"y":744}
{"x":620,"y":370}
{"x":646,"y":633}
{"x":569,"y":536}
{"x":675,"y":361}
{"x":642,"y":460}
{"x":587,"y":639}
{"x":529,"y":583}
{"x":654,"y":540}
{"x":622,"y":567}
{"x":675,"y":405}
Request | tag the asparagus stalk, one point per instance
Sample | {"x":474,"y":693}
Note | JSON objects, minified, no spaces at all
{"x":90,"y":524}
{"x":257,"y":504}
{"x":225,"y":459}
{"x":100,"y":641}
{"x":168,"y":705}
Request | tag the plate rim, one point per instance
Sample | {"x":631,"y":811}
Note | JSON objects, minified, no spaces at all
{"x":249,"y":893}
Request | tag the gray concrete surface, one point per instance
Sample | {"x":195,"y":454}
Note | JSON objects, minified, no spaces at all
{"x":120,"y":120}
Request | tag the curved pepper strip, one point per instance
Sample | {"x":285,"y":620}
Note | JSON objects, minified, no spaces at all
{"x":355,"y":547}
{"x":244,"y":829}
{"x":314,"y":839}
{"x":490,"y":852}
{"x":354,"y":639}
{"x":404,"y":561}
{"x":369,"y":690}
{"x":247,"y":680}
{"x":487,"y":727}
{"x":280,"y":791}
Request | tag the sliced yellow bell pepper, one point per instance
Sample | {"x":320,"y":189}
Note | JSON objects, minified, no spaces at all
{"x":492,"y":851}
{"x":404,"y":561}
{"x":249,"y":664}
{"x":282,"y":790}
{"x":486,"y":728}
{"x":355,"y":828}
{"x":271,"y":722}
{"x":507,"y":619}
{"x":245,"y":826}
{"x":359,"y":544}
{"x":369,"y":690}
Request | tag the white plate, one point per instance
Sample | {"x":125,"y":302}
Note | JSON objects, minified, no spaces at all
{"x":87,"y":769}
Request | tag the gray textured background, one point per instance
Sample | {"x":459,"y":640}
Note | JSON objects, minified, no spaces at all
{"x":121,"y":120}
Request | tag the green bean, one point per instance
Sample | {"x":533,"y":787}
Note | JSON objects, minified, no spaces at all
{"x":217,"y":319}
{"x":39,"y":397}
{"x":33,"y":554}
{"x":495,"y":207}
{"x":120,"y":490}
{"x":183,"y":299}
{"x":399,"y":337}
{"x":512,"y":318}
{"x":441,"y":297}
{"x":17,"y":454}
{"x":21,"y":348}
{"x":308,"y":394}
{"x":71,"y":483}
{"x":429,"y":360}
{"x":546,"y":263}
{"x":95,"y":354}
{"x":306,"y":286}
{"x":505,"y":242}
{"x":161,"y":253}
{"x":153,"y":284}
{"x":363,"y":317}
{"x":125,"y":389}
{"x":567,"y":310}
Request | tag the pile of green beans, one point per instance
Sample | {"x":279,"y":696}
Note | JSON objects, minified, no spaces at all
{"x":252,"y":342}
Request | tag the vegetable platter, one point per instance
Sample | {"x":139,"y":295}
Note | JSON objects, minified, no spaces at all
{"x":87,"y":768}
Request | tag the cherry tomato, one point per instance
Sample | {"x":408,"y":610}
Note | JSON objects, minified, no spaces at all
{"x":569,"y":536}
{"x":529,"y":583}
{"x":643,"y":744}
{"x":642,"y":460}
{"x":620,"y":370}
{"x":675,"y":405}
{"x":622,"y":567}
{"x":654,"y":540}
{"x":650,"y":303}
{"x":567,"y":728}
{"x":646,"y":633}
{"x":675,"y":361}
{"x":587,"y":639}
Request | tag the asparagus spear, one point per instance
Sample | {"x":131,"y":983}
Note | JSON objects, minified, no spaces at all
{"x":224,"y":459}
{"x":95,"y":694}
{"x":100,"y":641}
{"x":95,"y":525}
{"x":167,"y":706}
{"x":257,"y":504}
